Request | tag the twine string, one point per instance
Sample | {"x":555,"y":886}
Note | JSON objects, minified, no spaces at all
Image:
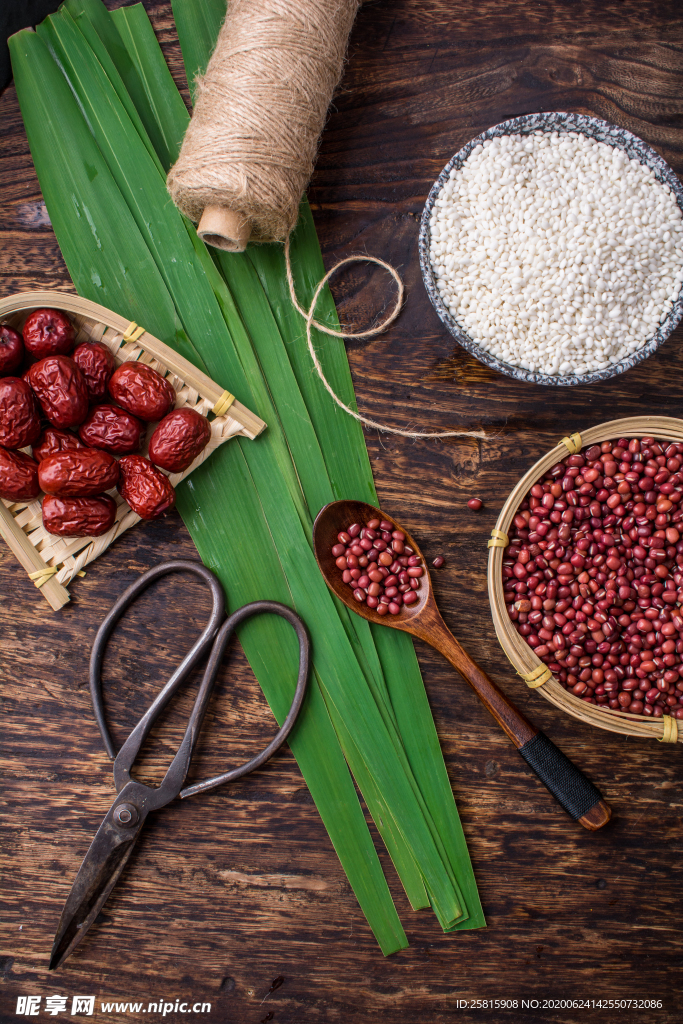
{"x":309,"y":317}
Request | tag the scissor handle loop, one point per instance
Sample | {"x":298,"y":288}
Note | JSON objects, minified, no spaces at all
{"x":220,"y":643}
{"x":171,"y":785}
{"x":136,"y":739}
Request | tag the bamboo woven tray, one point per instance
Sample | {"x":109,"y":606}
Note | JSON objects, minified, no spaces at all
{"x":52,"y":562}
{"x":522,"y":657}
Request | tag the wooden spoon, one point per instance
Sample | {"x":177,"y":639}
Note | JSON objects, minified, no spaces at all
{"x":566,"y":782}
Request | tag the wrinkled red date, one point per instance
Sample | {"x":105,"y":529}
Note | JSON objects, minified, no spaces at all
{"x":61,"y":390}
{"x":48,"y":332}
{"x":78,"y":517}
{"x":53,"y":440}
{"x":19,"y":419}
{"x":78,"y":474}
{"x":97,"y":364}
{"x":148,"y":492}
{"x":142,"y":391}
{"x":179,"y":439}
{"x":112,"y":429}
{"x":18,"y":476}
{"x":11,"y":350}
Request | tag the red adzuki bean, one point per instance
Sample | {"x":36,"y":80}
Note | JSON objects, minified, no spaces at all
{"x":599,"y":597}
{"x":394,"y":580}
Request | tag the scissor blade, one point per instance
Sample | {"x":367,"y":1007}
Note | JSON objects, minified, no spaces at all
{"x":97,"y":876}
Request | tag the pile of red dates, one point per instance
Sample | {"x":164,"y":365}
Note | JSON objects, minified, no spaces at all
{"x":85,"y":420}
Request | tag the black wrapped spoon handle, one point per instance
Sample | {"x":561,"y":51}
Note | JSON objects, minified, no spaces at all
{"x":577,"y":794}
{"x":566,"y":782}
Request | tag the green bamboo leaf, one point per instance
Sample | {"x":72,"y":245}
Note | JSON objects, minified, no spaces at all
{"x":93,"y":17}
{"x":85,"y":25}
{"x":198,"y":26}
{"x":109,"y":253}
{"x":442,"y":892}
{"x":341,"y":434}
{"x":254,"y":309}
{"x":217,"y":504}
{"x":269,"y":347}
{"x":167,"y":108}
{"x":113,"y":135}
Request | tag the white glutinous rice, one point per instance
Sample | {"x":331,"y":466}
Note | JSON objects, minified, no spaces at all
{"x":555,"y":252}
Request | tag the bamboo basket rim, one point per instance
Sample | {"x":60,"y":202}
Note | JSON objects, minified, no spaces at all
{"x":21,"y":522}
{"x":519,"y":653}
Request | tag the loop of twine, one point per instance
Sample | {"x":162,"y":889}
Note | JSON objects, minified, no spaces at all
{"x":371,"y":332}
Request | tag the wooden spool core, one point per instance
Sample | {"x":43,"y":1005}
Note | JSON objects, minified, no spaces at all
{"x":224,"y":228}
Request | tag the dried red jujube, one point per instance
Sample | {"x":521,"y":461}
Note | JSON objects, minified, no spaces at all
{"x":179,"y":439}
{"x":11,"y":350}
{"x":142,"y":391}
{"x":19,"y":419}
{"x":61,"y":390}
{"x":112,"y":429}
{"x":48,"y":332}
{"x":53,"y":440}
{"x":78,"y":517}
{"x":97,"y":364}
{"x":148,"y":492}
{"x":78,"y":474}
{"x":18,"y":476}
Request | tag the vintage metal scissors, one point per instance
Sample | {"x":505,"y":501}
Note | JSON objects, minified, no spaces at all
{"x":118,"y":833}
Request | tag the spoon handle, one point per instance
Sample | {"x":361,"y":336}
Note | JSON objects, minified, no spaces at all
{"x":577,"y":794}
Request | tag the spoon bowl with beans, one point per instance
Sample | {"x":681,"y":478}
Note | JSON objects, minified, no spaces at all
{"x":353,"y":539}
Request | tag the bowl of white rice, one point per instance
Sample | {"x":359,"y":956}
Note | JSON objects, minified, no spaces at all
{"x":551,"y":247}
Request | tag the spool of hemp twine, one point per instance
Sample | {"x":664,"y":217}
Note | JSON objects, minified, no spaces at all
{"x":249,"y":150}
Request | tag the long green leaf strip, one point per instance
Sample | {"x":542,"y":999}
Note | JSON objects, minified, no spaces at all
{"x":351,"y":472}
{"x":104,"y":122}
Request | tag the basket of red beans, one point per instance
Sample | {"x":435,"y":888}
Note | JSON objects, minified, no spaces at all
{"x":586,"y":576}
{"x":98,"y":422}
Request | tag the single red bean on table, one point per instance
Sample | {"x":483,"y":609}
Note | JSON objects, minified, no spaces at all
{"x":439,"y":561}
{"x":593,"y":574}
{"x":379,"y":567}
{"x":475,"y":504}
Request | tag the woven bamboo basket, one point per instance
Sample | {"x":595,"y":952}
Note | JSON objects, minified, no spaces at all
{"x":535,"y":673}
{"x":52,"y":562}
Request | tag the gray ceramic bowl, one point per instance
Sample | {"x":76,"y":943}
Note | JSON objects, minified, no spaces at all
{"x":636,"y":149}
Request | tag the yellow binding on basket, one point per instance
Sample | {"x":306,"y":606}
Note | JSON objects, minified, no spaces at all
{"x":540,"y":675}
{"x":41,"y":576}
{"x":498,"y":539}
{"x":670,"y":734}
{"x":133,"y":332}
{"x":574,"y":444}
{"x":223,"y":404}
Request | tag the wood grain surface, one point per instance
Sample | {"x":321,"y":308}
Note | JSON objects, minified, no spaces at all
{"x":236,"y":898}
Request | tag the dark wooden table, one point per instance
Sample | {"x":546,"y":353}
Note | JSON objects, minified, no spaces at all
{"x":237,"y":898}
